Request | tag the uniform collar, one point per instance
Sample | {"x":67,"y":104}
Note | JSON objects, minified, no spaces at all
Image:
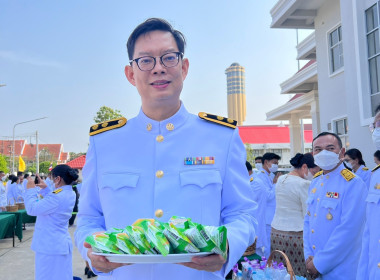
{"x":65,"y":187}
{"x":165,"y":126}
{"x":335,"y":172}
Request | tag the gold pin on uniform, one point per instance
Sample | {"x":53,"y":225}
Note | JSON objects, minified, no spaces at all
{"x":329,"y":216}
{"x":159,"y":213}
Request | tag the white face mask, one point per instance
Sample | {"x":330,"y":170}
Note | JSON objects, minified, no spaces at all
{"x":273,"y":168}
{"x":326,"y":160}
{"x":259,"y":165}
{"x":309,"y":176}
{"x":376,"y":137}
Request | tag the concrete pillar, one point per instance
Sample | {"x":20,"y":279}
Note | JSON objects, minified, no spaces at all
{"x":314,"y":111}
{"x":295,"y":135}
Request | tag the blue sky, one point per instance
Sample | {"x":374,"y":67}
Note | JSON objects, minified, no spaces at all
{"x":66,"y":59}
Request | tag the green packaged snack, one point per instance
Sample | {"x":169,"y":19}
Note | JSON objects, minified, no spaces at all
{"x":123,"y":242}
{"x":179,"y":242}
{"x":100,"y":243}
{"x":219,"y":236}
{"x":137,"y":237}
{"x":198,"y":236}
{"x":155,"y":237}
{"x":180,"y":222}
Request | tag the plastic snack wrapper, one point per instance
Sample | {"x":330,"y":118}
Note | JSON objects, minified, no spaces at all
{"x":138,"y":239}
{"x":101,"y":243}
{"x":155,"y":237}
{"x":122,"y":240}
{"x":179,"y":242}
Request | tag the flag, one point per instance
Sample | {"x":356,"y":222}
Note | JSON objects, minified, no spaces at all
{"x":51,"y":166}
{"x":21,"y":164}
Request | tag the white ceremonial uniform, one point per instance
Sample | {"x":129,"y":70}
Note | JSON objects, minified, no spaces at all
{"x":14,"y":191}
{"x":334,"y":223}
{"x":369,"y":264}
{"x":51,"y":240}
{"x":267,"y":180}
{"x":50,"y":187}
{"x":3,"y":195}
{"x":365,"y":174}
{"x":260,"y":197}
{"x":133,"y":170}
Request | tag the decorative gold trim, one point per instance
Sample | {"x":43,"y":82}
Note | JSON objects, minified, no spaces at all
{"x":220,"y":118}
{"x":204,"y":116}
{"x":117,"y":123}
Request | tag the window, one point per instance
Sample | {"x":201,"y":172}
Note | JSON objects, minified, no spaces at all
{"x":373,"y":47}
{"x":336,"y":49}
{"x":341,"y":129}
{"x":276,"y":151}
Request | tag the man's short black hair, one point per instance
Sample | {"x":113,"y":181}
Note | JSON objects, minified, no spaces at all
{"x":329,"y":133}
{"x":248,"y":165}
{"x":377,"y":154}
{"x":259,"y":158}
{"x":269,"y":157}
{"x":153,"y":24}
{"x":20,"y":173}
{"x":26,"y":175}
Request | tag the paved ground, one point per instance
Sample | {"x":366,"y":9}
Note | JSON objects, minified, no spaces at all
{"x":18,"y":263}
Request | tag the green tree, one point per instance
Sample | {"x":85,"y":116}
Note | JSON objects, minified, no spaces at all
{"x":75,"y":155}
{"x":106,"y":113}
{"x":31,"y":168}
{"x":250,"y":156}
{"x":3,"y":164}
{"x":44,"y":166}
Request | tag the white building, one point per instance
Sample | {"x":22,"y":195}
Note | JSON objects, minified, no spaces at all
{"x":341,"y":89}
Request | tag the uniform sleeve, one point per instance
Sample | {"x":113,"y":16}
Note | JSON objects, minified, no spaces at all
{"x":237,"y":206}
{"x":90,"y":217}
{"x":307,"y":249}
{"x":349,"y":229}
{"x":362,"y":272}
{"x":45,"y":206}
{"x":303,"y":194}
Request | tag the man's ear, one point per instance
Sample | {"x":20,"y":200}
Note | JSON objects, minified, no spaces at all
{"x":128,"y":70}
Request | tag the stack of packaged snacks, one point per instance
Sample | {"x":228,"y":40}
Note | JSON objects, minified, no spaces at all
{"x":149,"y":236}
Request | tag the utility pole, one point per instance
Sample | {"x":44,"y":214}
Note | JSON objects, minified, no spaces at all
{"x":37,"y":155}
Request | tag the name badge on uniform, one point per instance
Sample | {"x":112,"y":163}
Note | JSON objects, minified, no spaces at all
{"x":199,"y":160}
{"x":332,"y":195}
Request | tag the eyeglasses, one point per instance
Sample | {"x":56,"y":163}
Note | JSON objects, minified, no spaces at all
{"x":372,"y":126}
{"x":147,"y":63}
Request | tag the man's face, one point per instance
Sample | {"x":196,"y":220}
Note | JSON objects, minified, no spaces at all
{"x":21,"y":178}
{"x":160,"y":85}
{"x":2,"y":175}
{"x":329,"y":143}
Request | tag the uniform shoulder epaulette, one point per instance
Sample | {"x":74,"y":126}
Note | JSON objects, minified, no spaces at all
{"x":377,"y":167}
{"x":365,"y":168}
{"x":251,"y":179}
{"x":57,"y":191}
{"x":218,"y":119}
{"x":347,"y":174}
{"x":318,"y":174}
{"x":107,"y":125}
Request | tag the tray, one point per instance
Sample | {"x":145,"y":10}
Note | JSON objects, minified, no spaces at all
{"x":171,"y":258}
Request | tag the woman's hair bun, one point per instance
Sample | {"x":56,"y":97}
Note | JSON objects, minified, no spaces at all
{"x":73,"y":174}
{"x":296,"y":161}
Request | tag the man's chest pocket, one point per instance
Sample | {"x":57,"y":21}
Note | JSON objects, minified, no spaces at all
{"x":373,"y":198}
{"x":201,"y":178}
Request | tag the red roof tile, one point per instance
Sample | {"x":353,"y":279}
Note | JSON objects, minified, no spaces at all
{"x":77,"y":162}
{"x":6,"y":147}
{"x":53,"y":149}
{"x":64,"y":157}
{"x":270,"y":134}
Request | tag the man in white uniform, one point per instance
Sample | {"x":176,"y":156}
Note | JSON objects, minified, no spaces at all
{"x":165,"y":159}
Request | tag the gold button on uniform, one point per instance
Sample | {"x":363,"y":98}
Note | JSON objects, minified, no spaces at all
{"x":149,"y":127}
{"x":314,"y":247}
{"x":321,"y":184}
{"x":159,"y":138}
{"x":312,"y":231}
{"x":170,"y":126}
{"x":327,"y":176}
{"x":318,"y":199}
{"x":160,"y":174}
{"x":315,"y":215}
{"x":159,"y":213}
{"x":378,"y":265}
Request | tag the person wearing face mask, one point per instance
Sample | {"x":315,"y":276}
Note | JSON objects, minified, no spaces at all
{"x":51,"y":239}
{"x":258,"y":164}
{"x":334,"y":221}
{"x":291,"y":195}
{"x":369,"y":263}
{"x":354,"y":160}
{"x":270,"y":165}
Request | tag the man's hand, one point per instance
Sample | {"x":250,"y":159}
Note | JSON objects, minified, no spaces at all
{"x":210,"y":263}
{"x":310,"y":268}
{"x":100,"y":263}
{"x":278,"y":174}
